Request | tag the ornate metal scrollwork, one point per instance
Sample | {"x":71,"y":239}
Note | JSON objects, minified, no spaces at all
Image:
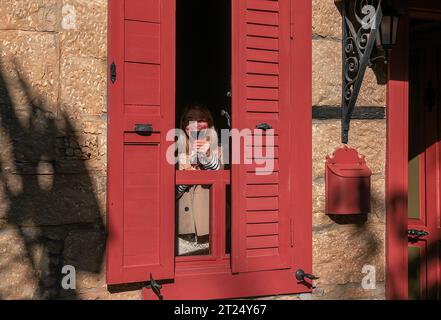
{"x":361,"y":21}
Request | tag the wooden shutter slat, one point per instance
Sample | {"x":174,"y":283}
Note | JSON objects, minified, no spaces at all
{"x":143,"y":10}
{"x":142,"y":42}
{"x":262,"y":203}
{"x":262,"y":30}
{"x":252,"y":178}
{"x":262,"y":93}
{"x":262,"y":190}
{"x":262,"y":55}
{"x":262,"y":229}
{"x":262,"y":106}
{"x":264,"y":5}
{"x":264,"y":81}
{"x":263,"y":167}
{"x":262,"y":216}
{"x":262,"y":17}
{"x":262,"y":68}
{"x":262,"y":242}
{"x":266,"y":252}
{"x":262,"y":43}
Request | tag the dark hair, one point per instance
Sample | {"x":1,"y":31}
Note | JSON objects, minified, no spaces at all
{"x":202,"y":108}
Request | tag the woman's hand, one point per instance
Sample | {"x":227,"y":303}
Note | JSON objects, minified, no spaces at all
{"x":202,"y":146}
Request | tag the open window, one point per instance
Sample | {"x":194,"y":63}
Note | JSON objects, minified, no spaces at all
{"x":203,"y":90}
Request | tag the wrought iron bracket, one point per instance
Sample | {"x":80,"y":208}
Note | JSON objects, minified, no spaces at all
{"x":361,"y":22}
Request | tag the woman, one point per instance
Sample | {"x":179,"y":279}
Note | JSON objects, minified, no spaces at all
{"x":200,"y":152}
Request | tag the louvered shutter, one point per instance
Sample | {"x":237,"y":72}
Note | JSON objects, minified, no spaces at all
{"x":261,"y":224}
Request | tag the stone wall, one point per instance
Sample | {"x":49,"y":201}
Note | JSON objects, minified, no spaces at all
{"x":53,"y":159}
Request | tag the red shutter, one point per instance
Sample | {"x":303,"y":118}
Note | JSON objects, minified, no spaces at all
{"x":261,"y":221}
{"x":140,"y":181}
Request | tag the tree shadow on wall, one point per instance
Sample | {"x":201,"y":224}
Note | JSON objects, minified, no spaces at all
{"x":51,"y":205}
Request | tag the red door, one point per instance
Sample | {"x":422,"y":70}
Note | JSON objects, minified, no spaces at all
{"x":424,"y":195}
{"x":140,"y":181}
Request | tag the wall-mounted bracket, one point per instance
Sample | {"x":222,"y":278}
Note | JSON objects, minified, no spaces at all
{"x":361,"y":22}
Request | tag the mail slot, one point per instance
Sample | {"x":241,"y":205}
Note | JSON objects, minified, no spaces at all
{"x":348,"y":183}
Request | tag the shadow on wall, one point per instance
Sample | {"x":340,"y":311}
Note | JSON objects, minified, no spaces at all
{"x":359,"y":221}
{"x":50,"y":215}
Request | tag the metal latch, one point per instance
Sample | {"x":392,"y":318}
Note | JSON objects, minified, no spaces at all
{"x":417,"y":233}
{"x":264,"y":126}
{"x":144,"y":129}
{"x":301,"y":275}
{"x":156,"y":287}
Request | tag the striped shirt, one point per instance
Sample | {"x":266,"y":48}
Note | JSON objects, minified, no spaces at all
{"x":208,"y":164}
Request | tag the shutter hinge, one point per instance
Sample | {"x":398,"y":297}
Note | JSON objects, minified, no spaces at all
{"x":113,"y":72}
{"x":156,"y":287}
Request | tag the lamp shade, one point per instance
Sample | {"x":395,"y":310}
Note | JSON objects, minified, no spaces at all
{"x":387,"y":35}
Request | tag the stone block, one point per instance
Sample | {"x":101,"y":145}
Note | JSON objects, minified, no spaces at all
{"x":327,"y":77}
{"x":350,"y":291}
{"x":34,"y":15}
{"x":84,"y":29}
{"x":367,"y":136}
{"x":29,"y":64}
{"x":341,"y":251}
{"x":20,"y":279}
{"x":83,"y":87}
{"x":106,"y":295}
{"x":326,"y":19}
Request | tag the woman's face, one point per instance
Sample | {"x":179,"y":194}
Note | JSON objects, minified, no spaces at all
{"x":198,"y":117}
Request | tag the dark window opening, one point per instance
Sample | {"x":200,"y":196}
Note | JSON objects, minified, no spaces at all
{"x":203,"y":76}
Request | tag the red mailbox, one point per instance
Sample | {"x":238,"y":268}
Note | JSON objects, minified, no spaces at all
{"x":348,"y":183}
